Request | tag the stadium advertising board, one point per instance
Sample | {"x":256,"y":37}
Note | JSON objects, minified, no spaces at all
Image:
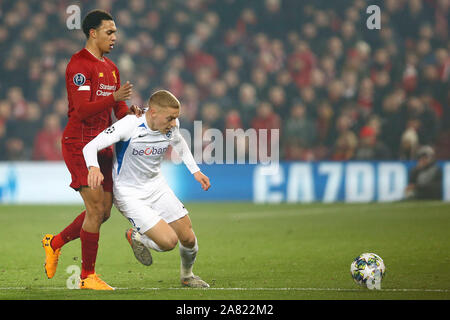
{"x":35,"y":182}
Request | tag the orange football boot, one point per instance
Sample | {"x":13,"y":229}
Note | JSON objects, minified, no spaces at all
{"x":93,"y":282}
{"x":51,"y":256}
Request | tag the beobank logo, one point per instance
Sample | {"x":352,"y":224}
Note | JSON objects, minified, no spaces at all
{"x":150,"y":151}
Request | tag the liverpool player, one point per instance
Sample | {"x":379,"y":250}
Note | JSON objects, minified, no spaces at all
{"x":94,"y":92}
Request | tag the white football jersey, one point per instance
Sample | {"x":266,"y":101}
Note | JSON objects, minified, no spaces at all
{"x":139,"y":152}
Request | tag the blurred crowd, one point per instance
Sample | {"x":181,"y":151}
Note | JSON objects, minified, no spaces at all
{"x":335,"y":89}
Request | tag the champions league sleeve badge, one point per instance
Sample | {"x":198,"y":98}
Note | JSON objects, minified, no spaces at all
{"x":79,"y":79}
{"x":110,"y":130}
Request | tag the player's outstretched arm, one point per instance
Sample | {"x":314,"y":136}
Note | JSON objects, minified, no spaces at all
{"x":181,"y":148}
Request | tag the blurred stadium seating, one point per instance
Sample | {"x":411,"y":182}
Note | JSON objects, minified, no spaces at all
{"x":334,"y":88}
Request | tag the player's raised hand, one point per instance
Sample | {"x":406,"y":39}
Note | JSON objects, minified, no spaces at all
{"x":136,"y":110}
{"x":124,"y":92}
{"x":95,"y":177}
{"x":204,"y":180}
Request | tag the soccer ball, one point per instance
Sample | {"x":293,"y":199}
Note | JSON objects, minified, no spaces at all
{"x":368,"y":270}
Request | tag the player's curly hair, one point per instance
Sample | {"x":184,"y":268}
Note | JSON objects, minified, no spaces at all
{"x":94,"y":19}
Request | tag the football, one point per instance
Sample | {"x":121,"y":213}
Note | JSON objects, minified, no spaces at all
{"x":368,"y":270}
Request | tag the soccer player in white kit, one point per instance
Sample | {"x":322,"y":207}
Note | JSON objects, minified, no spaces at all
{"x":140,"y":191}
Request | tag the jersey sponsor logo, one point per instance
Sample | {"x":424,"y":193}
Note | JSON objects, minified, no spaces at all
{"x":106,"y":87}
{"x":150,"y":151}
{"x":79,"y":79}
{"x":102,"y":87}
{"x":103,"y":93}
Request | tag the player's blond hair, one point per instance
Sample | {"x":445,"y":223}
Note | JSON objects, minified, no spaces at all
{"x":163,"y":99}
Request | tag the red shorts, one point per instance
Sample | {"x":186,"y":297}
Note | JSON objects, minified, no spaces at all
{"x":74,"y":159}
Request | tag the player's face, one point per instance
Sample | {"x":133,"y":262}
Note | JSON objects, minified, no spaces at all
{"x":105,"y":36}
{"x":164,"y":119}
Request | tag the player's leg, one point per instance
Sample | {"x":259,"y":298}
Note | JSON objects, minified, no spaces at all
{"x":188,"y":244}
{"x":149,"y":230}
{"x":175,"y":214}
{"x":69,"y":233}
{"x":161,"y":237}
{"x":52,"y":244}
{"x":97,"y":203}
{"x":184,"y":231}
{"x":188,"y":252}
{"x":140,"y":250}
{"x":107,"y":202}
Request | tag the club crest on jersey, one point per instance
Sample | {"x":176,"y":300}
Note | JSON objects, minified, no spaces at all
{"x":109,"y":130}
{"x":169,"y":134}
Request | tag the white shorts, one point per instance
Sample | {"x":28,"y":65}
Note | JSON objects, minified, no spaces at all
{"x":144,"y":212}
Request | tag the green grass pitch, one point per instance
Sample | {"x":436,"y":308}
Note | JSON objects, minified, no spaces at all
{"x":247,"y":252}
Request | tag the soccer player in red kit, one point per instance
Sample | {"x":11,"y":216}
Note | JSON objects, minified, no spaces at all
{"x":94,"y":92}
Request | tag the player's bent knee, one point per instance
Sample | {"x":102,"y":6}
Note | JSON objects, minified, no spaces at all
{"x":172,"y":242}
{"x":168,"y":243}
{"x":95,"y":207}
{"x":188,"y":242}
{"x":96,"y":212}
{"x":97,"y":219}
{"x":187,"y":238}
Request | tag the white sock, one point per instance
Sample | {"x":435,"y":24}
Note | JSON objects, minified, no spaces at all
{"x":188,"y":256}
{"x":149,"y":243}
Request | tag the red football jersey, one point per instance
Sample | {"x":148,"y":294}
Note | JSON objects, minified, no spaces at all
{"x":90,"y":84}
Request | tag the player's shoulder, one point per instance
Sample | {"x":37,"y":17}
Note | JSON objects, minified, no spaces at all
{"x":132,"y":121}
{"x":79,"y":61}
{"x":125,"y":127}
{"x":128,"y":119}
{"x":80,"y":56}
{"x":111,"y":63}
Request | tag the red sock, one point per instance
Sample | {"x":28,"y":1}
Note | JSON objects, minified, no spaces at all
{"x":89,"y":247}
{"x":71,"y":232}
